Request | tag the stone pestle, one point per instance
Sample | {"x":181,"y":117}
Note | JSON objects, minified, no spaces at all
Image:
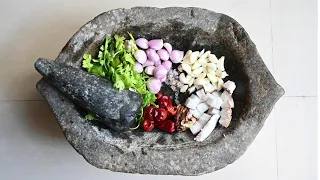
{"x":118,"y":110}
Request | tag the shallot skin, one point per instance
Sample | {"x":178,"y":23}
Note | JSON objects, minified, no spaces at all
{"x":155,"y":44}
{"x":142,"y":43}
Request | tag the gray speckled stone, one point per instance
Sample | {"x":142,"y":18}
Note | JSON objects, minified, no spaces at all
{"x":94,"y":94}
{"x":158,"y":152}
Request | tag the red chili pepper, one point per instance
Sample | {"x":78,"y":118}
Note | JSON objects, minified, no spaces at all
{"x":149,"y":113}
{"x":159,"y":95}
{"x":166,"y":125}
{"x":172,"y":111}
{"x":147,"y":125}
{"x":164,"y":101}
{"x":160,"y":114}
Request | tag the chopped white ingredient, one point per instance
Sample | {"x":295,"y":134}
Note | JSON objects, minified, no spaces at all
{"x":213,"y":78}
{"x":201,"y":53}
{"x":227,"y":99}
{"x":213,"y":111}
{"x":220,"y":84}
{"x":209,"y":88}
{"x":193,"y":96}
{"x":224,"y":74}
{"x":205,"y":55}
{"x":213,"y":58}
{"x":186,"y":68}
{"x":180,"y":68}
{"x":216,"y":93}
{"x":214,"y":101}
{"x":207,"y":129}
{"x":202,"y":107}
{"x":191,"y":89}
{"x":195,"y":113}
{"x":204,"y":119}
{"x":192,"y":102}
{"x":191,"y":81}
{"x":198,"y":86}
{"x":211,"y":71}
{"x":230,"y":86}
{"x":201,"y":93}
{"x":194,"y":56}
{"x":200,"y":81}
{"x":220,"y":64}
{"x":196,"y":128}
{"x":187,"y":55}
{"x":201,"y":75}
{"x":184,"y":88}
{"x":226,"y":116}
{"x":183,"y":78}
{"x":196,"y":65}
{"x":212,"y":66}
{"x":197,"y":71}
{"x":202,"y":61}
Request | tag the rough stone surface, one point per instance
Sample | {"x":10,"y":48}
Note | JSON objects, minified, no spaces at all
{"x":94,"y":94}
{"x":158,"y":152}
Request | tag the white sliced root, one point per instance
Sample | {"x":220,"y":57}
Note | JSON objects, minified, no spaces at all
{"x":191,"y":89}
{"x":204,"y":118}
{"x":205,"y":55}
{"x":184,"y":88}
{"x":216,"y":93}
{"x":227,"y":98}
{"x":202,"y":61}
{"x":213,"y":111}
{"x":200,"y":93}
{"x":186,"y":68}
{"x":214,"y":102}
{"x":195,"y":113}
{"x":198,"y":87}
{"x":202,"y":107}
{"x":200,"y":81}
{"x":213,"y":58}
{"x":209,"y":88}
{"x":220,"y":64}
{"x":226,"y":116}
{"x":183,"y":79}
{"x":230,"y":86}
{"x":207,"y":129}
{"x":196,"y":128}
{"x":192,"y":101}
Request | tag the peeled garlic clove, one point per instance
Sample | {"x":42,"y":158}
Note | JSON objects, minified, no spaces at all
{"x":194,"y":56}
{"x":211,"y":71}
{"x":220,"y":84}
{"x":188,"y":78}
{"x":201,"y":75}
{"x":186,"y":68}
{"x":187,"y":55}
{"x":205,"y":69}
{"x":205,"y":55}
{"x":184,"y":88}
{"x":224,"y":74}
{"x":191,"y":89}
{"x":230,"y":86}
{"x":213,"y":58}
{"x":183,"y":78}
{"x":220,"y":64}
{"x":200,"y":81}
{"x":201,"y":53}
{"x":218,"y":73}
{"x":197,"y":71}
{"x":191,"y":81}
{"x":212,"y":66}
{"x":202,"y":61}
{"x":212,"y":78}
{"x":196,"y":65}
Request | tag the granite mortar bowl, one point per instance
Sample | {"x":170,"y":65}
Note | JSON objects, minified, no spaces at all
{"x":158,"y":152}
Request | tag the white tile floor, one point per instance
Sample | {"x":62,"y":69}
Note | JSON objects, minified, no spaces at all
{"x":33,"y":147}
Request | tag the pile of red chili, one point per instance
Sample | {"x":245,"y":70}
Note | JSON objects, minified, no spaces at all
{"x":160,"y":117}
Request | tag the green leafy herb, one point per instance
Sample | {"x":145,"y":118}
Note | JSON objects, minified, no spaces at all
{"x":116,"y":63}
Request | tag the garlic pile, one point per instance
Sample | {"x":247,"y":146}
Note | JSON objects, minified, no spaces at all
{"x":203,"y":72}
{"x":202,"y":69}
